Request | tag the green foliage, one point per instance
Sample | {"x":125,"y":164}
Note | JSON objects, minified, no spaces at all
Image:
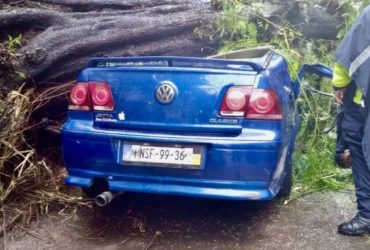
{"x":350,"y":9}
{"x":12,"y":43}
{"x":233,"y":25}
{"x":313,"y":162}
{"x":314,"y":168}
{"x":243,"y":26}
{"x":8,"y":57}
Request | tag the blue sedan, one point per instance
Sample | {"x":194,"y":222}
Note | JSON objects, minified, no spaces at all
{"x":217,"y":127}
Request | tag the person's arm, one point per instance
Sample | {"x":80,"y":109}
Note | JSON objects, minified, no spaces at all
{"x":341,"y":80}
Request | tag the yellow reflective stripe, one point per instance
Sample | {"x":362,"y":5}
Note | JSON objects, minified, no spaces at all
{"x":358,"y":97}
{"x":340,"y":77}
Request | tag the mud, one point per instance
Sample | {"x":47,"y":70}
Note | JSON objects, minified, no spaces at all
{"x":137,"y":221}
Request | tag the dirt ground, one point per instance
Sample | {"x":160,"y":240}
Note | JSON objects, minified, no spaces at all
{"x":138,"y":221}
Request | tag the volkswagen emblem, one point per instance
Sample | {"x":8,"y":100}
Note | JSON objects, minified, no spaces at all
{"x":165,"y":93}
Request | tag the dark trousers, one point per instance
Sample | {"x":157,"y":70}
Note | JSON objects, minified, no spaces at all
{"x":353,"y":132}
{"x":340,"y":145}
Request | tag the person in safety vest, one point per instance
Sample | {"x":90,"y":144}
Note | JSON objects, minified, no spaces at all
{"x":351,"y":82}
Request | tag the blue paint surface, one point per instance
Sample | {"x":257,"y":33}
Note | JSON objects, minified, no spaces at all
{"x":240,"y":157}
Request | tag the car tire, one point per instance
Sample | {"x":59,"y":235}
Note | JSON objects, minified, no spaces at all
{"x":286,"y":187}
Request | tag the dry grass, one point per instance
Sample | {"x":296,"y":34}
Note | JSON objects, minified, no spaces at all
{"x":29,"y":183}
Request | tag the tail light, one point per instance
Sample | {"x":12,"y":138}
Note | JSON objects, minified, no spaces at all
{"x":91,"y":95}
{"x":79,"y":97}
{"x":235,"y":101}
{"x":253,"y":104}
{"x":101,"y":96}
{"x":264,"y":105}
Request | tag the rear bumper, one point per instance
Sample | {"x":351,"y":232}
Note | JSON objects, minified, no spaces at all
{"x":175,"y":186}
{"x":243,"y":167}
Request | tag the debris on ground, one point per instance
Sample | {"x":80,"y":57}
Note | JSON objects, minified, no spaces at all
{"x":29,"y":182}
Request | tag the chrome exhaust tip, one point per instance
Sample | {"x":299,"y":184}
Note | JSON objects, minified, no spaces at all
{"x":104,"y":198}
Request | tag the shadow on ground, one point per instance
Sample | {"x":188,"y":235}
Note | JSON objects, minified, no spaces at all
{"x":137,"y":221}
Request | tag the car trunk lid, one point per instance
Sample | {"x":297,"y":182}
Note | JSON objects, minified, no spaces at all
{"x":159,"y":94}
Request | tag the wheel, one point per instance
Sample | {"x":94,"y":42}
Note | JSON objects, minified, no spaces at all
{"x":286,"y":187}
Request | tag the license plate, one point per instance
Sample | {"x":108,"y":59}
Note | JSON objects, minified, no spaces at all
{"x":162,"y":155}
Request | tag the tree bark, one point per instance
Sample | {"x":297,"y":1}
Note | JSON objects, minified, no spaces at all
{"x":62,"y":35}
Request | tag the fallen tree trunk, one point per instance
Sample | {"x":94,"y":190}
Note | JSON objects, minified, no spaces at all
{"x":62,"y":35}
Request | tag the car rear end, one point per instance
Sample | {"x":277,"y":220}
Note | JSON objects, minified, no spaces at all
{"x":174,"y":125}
